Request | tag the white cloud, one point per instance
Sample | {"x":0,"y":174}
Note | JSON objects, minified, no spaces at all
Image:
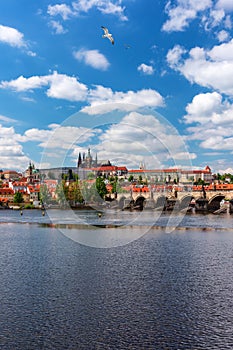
{"x":202,"y":108}
{"x":137,"y":138}
{"x":92,"y":58}
{"x":12,"y":37}
{"x":103,"y":100}
{"x":12,"y":154}
{"x":214,"y":121}
{"x":174,"y":55}
{"x":223,"y":52}
{"x":104,"y":6}
{"x":60,"y":137}
{"x":147,"y":70}
{"x":67,"y":88}
{"x":60,"y":86}
{"x":217,"y":143}
{"x":57,"y":27}
{"x":27,"y":99}
{"x":226,"y":171}
{"x":210,"y":68}
{"x":56,"y":141}
{"x":8,"y":135}
{"x":143,"y":138}
{"x":227,"y":22}
{"x":60,"y":9}
{"x":217,"y":17}
{"x":204,"y":132}
{"x":25,"y":84}
{"x":36,"y":135}
{"x":5,"y":119}
{"x":223,"y":35}
{"x":107,"y":7}
{"x":214,"y":19}
{"x":227,"y":5}
{"x":11,"y":151}
{"x":100,"y":99}
{"x":12,"y":162}
{"x":183,"y":12}
{"x":183,"y":155}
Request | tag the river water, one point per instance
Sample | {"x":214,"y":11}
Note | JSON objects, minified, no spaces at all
{"x":122,"y":280}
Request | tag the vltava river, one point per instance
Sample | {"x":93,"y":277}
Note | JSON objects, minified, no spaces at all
{"x":119,"y":281}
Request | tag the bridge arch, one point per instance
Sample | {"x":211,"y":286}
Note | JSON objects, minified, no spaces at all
{"x":121,"y":202}
{"x":160,"y":201}
{"x":214,"y":202}
{"x":139,"y":202}
{"x":185,"y":201}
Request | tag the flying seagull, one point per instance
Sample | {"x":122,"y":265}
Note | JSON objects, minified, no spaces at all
{"x":107,"y":34}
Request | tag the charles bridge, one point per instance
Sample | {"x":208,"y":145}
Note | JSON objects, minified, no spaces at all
{"x":202,"y":200}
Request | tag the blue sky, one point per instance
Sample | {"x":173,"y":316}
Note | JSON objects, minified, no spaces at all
{"x":161,"y":96}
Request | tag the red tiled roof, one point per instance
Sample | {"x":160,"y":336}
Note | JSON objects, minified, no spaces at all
{"x":18,"y":183}
{"x":105,"y":168}
{"x":109,"y":168}
{"x":10,"y":172}
{"x":4,"y":200}
{"x":207,"y":170}
{"x":5,"y":191}
{"x":5,"y":185}
{"x":195,"y":172}
{"x":34,"y":190}
{"x":141,"y":189}
{"x":123,"y":168}
{"x":141,"y":171}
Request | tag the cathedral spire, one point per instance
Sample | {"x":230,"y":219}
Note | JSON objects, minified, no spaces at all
{"x":79,"y":160}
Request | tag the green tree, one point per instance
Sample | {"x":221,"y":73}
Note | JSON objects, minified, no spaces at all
{"x":115,"y":184}
{"x":86,"y":191}
{"x":75,"y":193}
{"x":101,"y":187}
{"x":130,"y":179}
{"x":62,"y":193}
{"x":18,"y":197}
{"x":76,"y":177}
{"x":44,"y":193}
{"x":199,"y":182}
{"x":227,"y":176}
{"x":64,"y":177}
{"x":90,"y":176}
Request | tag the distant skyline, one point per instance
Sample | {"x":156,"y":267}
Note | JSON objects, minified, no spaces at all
{"x":162,"y":95}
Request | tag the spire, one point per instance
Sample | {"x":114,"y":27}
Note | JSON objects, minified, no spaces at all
{"x":96,"y":160}
{"x":79,"y":160}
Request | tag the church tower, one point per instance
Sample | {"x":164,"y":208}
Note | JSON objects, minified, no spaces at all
{"x":89,"y":159}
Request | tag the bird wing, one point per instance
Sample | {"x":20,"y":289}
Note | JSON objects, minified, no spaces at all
{"x":105,"y":29}
{"x":111,"y":39}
